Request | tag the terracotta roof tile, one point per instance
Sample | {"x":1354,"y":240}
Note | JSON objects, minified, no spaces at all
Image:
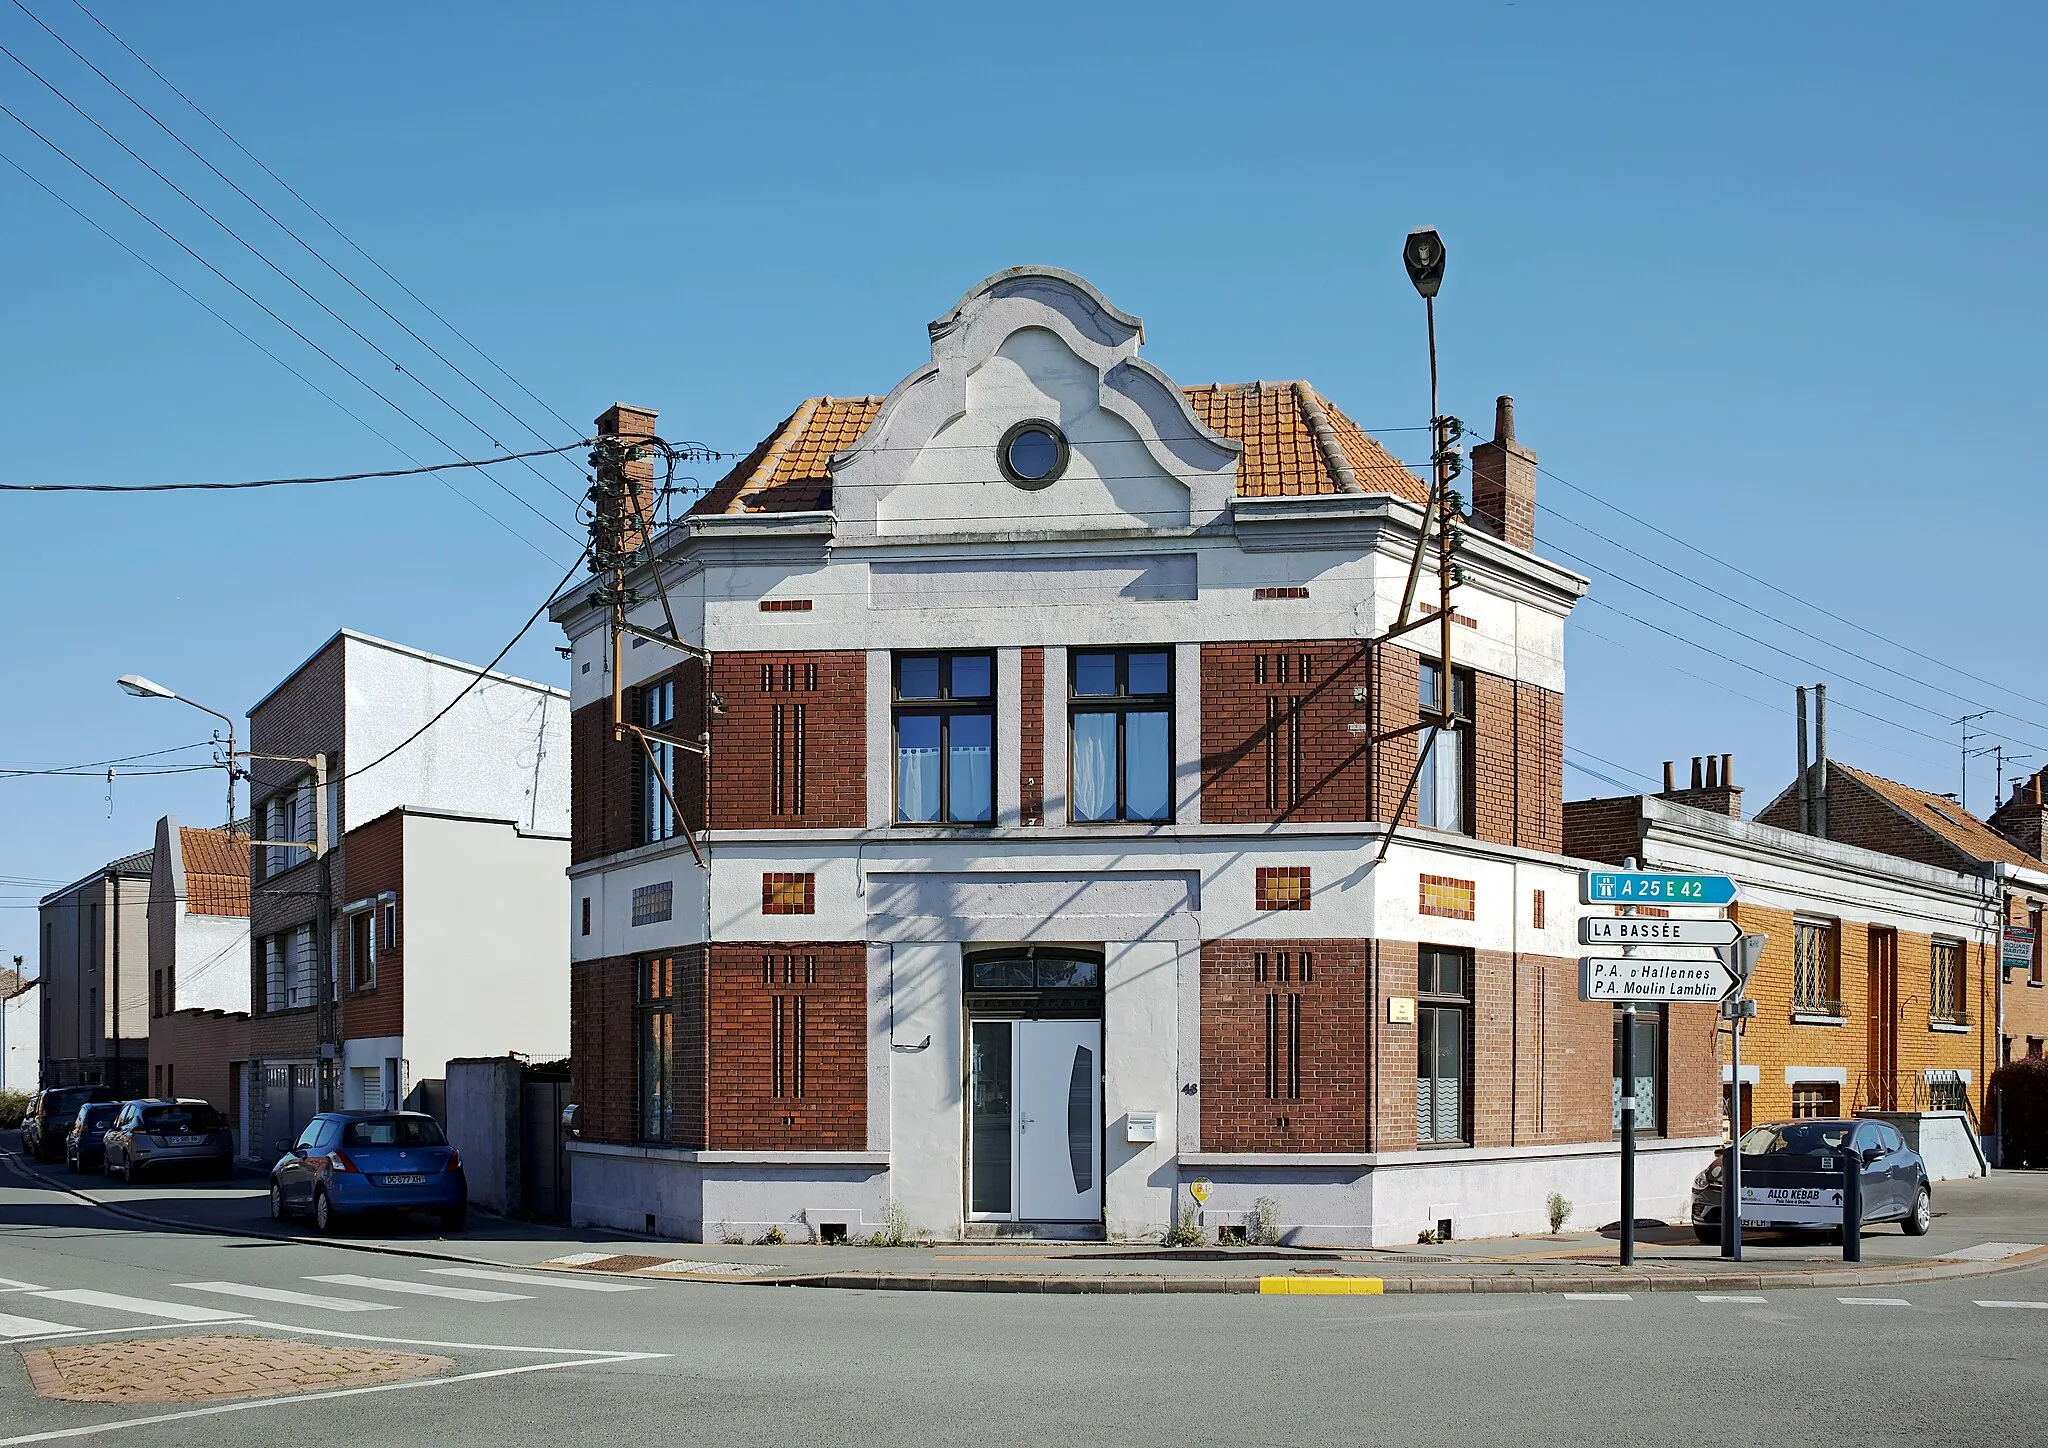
{"x":789,"y":471}
{"x":216,"y":872}
{"x":1943,"y":817}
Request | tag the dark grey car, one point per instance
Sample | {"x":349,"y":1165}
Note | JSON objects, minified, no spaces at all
{"x":1792,"y":1174}
{"x":152,"y":1135}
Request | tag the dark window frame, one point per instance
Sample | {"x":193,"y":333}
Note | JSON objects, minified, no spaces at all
{"x":1123,"y":703}
{"x":1464,"y":716}
{"x":1434,"y":1003}
{"x":656,"y":706}
{"x":945,"y":707}
{"x":1659,"y":1014}
{"x":1950,"y":1007}
{"x":654,"y":1025}
{"x":1816,"y":966}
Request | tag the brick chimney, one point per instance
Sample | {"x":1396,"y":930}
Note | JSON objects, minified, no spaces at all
{"x":2022,"y":818}
{"x":1504,"y":482}
{"x":1713,"y":786}
{"x":629,"y":425}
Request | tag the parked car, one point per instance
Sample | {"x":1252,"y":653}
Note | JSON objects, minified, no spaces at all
{"x":50,"y":1114}
{"x":162,"y":1132}
{"x":1792,"y":1174}
{"x":82,"y":1146}
{"x":356,"y":1163}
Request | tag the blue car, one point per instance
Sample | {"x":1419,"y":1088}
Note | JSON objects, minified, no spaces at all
{"x":82,"y":1146}
{"x":359,"y":1163}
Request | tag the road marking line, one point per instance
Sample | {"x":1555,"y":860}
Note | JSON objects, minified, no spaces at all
{"x":1989,"y":1252}
{"x":1873,"y":1302}
{"x":29,"y":1326}
{"x":8,"y":1284}
{"x":1597,"y":1297}
{"x":147,"y":1306}
{"x":1982,"y":1303}
{"x":1724,"y":1297}
{"x":419,"y":1289}
{"x":579,"y":1259}
{"x":536,"y":1279}
{"x":286,"y":1295}
{"x":1322,"y":1286}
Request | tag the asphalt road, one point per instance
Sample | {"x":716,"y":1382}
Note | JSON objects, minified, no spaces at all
{"x":718,"y":1364}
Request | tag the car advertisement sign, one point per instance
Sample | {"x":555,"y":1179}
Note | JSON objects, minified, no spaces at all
{"x":1791,"y":1206}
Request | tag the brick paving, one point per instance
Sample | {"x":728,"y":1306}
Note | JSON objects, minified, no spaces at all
{"x":209,"y":1367}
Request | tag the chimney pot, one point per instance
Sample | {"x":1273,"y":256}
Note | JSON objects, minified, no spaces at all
{"x":1698,"y":780}
{"x":1670,"y":777}
{"x":1504,"y":419}
{"x":1504,"y":482}
{"x":1727,"y":771}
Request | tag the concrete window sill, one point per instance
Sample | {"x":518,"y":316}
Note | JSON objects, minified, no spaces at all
{"x":1948,"y":1028}
{"x":1809,"y":1018}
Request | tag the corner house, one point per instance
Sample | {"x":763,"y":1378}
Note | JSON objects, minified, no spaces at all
{"x":1045,"y":827}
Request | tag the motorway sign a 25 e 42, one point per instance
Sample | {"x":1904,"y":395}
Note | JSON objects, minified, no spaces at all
{"x":1653,"y":887}
{"x":1655,"y":930}
{"x":1648,"y":978}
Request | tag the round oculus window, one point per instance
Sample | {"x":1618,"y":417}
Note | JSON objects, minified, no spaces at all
{"x":1032,"y":454}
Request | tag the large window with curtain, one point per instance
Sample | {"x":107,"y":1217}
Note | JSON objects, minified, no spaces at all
{"x":1120,"y":751}
{"x":945,"y":739}
{"x":658,"y":712}
{"x":1443,"y":1022}
{"x":1443,"y":794}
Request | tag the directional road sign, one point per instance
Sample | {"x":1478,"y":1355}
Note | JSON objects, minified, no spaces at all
{"x":1648,"y":887}
{"x":1650,"y":930}
{"x":1644,"y":978}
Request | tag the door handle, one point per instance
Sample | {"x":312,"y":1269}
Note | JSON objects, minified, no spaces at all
{"x":1023,"y":1122}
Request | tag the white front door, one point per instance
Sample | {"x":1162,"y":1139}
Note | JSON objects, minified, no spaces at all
{"x":1037,"y":1120}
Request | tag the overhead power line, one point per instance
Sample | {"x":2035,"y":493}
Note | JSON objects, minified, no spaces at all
{"x":283,"y":482}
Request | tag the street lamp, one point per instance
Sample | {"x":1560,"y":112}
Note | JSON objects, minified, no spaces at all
{"x":143,"y":688}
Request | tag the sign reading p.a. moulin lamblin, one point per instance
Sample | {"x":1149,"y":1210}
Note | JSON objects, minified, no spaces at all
{"x":1644,"y":978}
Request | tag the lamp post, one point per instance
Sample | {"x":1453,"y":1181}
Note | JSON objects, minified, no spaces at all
{"x":143,"y":688}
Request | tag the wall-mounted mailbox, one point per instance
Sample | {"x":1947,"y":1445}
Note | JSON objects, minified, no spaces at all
{"x":1141,"y":1127}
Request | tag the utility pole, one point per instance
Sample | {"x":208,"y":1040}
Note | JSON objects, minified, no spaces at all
{"x":1969,"y":735}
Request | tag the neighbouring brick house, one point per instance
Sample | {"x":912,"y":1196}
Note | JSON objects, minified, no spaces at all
{"x":1860,"y":942}
{"x":94,"y":974}
{"x":198,"y":963}
{"x":433,"y":927}
{"x":1048,"y":864}
{"x":2006,"y":994}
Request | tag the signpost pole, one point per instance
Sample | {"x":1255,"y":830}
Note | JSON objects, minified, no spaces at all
{"x":1731,"y":1175}
{"x":1852,"y":1201}
{"x":1628,"y":1134}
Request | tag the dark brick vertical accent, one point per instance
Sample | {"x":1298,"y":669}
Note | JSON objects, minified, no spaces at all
{"x":1031,"y":742}
{"x":376,"y":864}
{"x":790,"y":751}
{"x":1692,"y":1071}
{"x":603,"y":777}
{"x":786,"y":1062}
{"x":602,"y":1070}
{"x":1395,"y":704}
{"x":1275,"y":745}
{"x":1539,"y":768}
{"x":689,"y":1062}
{"x":1392,"y":1127}
{"x":1280,"y":1045}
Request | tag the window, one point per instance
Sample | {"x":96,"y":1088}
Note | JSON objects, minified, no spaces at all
{"x":362,"y":950}
{"x":1649,"y":1074}
{"x":1442,"y":1021}
{"x":1121,"y":720}
{"x":657,"y":1042}
{"x":287,"y":815}
{"x":387,"y":905}
{"x":657,"y":711}
{"x":945,"y":739}
{"x":1032,"y":454}
{"x":2034,"y":1048}
{"x":1947,"y":998}
{"x":394,"y":1131}
{"x":1816,"y":1099}
{"x":1816,"y":967}
{"x":288,"y":969}
{"x":1443,"y":794}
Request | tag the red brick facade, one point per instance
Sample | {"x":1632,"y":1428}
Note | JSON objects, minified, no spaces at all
{"x":790,"y":750}
{"x":603,"y":1073}
{"x":1283,"y":1045}
{"x":786,"y":1058}
{"x":1274,"y":742}
{"x":1031,"y":746}
{"x":376,"y":866}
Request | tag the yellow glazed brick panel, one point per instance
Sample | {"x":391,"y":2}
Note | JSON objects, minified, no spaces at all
{"x":1446,"y":897}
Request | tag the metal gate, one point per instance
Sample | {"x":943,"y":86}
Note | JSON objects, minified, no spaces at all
{"x":543,"y":1150}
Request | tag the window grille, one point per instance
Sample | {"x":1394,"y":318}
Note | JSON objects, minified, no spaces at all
{"x":1816,"y":968}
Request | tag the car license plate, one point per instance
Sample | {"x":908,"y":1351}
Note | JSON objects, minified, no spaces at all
{"x":404,"y":1179}
{"x":184,"y":1141}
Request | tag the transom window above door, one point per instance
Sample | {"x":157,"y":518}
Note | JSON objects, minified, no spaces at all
{"x":1120,"y":710}
{"x":945,"y":739}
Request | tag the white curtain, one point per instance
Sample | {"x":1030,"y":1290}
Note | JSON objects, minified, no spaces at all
{"x":917,"y":769}
{"x":969,"y":747}
{"x":1094,"y":766}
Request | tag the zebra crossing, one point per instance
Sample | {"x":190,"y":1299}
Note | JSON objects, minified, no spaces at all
{"x":25,"y":1302}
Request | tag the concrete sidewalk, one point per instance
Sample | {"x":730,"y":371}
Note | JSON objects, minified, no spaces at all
{"x":1981,"y":1225}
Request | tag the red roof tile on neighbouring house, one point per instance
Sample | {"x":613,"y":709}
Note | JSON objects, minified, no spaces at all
{"x":1941,"y":816}
{"x":216,"y":872}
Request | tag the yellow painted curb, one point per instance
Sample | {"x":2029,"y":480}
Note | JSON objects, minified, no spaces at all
{"x":1323,"y":1286}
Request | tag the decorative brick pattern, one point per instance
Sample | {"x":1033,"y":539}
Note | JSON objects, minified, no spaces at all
{"x":1283,"y":887}
{"x":786,"y":1047}
{"x":1284,"y":1046}
{"x":1275,"y":745}
{"x":1538,"y":909}
{"x":790,"y":751}
{"x":1447,"y":897}
{"x":789,"y":894}
{"x":1293,"y":591}
{"x":654,"y":903}
{"x":785,"y":605}
{"x":1031,"y":742}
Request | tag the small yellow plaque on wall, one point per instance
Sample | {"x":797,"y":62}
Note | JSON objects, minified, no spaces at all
{"x":1401,"y":1010}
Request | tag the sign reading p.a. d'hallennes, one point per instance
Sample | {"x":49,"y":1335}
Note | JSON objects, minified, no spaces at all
{"x":1641,"y":978}
{"x":1653,"y":887}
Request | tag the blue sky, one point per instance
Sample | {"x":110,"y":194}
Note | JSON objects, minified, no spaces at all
{"x":1765,"y":277}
